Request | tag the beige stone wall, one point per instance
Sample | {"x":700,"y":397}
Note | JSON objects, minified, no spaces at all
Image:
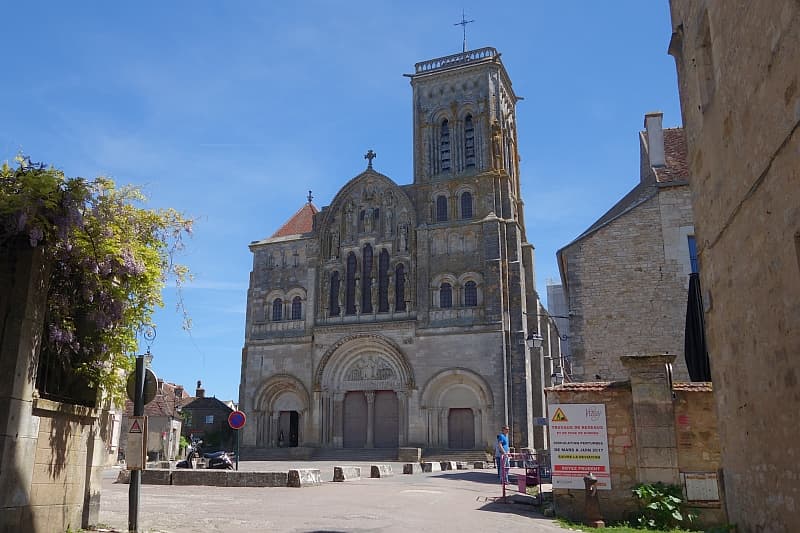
{"x":740,"y":95}
{"x":627,"y":285}
{"x":694,"y":430}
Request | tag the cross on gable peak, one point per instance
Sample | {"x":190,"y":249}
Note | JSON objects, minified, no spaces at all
{"x":370,"y":155}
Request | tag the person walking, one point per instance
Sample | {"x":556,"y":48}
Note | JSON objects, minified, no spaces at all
{"x":500,"y":448}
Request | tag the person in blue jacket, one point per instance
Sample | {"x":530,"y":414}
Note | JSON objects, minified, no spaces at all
{"x":500,"y":448}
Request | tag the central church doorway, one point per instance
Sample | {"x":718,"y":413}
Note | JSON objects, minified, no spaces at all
{"x":355,"y":420}
{"x":288,"y":429}
{"x":461,"y":429}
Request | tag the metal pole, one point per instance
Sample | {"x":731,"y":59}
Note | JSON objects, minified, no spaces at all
{"x":237,"y":449}
{"x":136,"y":475}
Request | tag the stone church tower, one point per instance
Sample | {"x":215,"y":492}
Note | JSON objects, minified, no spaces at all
{"x":396,"y":316}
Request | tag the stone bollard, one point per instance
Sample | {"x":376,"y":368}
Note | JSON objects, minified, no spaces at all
{"x":412,"y":468}
{"x":346,"y":473}
{"x":479,"y":465}
{"x":461,"y":465}
{"x":431,"y":467}
{"x":448,"y":465}
{"x":591,"y":506}
{"x":378,"y":471}
{"x":303,"y":477}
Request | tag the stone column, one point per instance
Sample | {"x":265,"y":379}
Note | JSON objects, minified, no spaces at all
{"x":370,"y":394}
{"x":274,"y":429}
{"x":402,"y":405}
{"x":338,"y":419}
{"x":654,"y":417}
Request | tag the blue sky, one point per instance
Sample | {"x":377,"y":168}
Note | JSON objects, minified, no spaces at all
{"x":231,"y":111}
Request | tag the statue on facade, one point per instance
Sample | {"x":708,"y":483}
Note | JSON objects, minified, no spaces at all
{"x":391,"y":292}
{"x":497,"y":145}
{"x":348,"y":218}
{"x":374,"y":295}
{"x":368,"y":216}
{"x":403,"y":245}
{"x":340,"y":296}
{"x":334,"y":244}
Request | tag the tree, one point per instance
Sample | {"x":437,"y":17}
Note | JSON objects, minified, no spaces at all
{"x":110,"y":260}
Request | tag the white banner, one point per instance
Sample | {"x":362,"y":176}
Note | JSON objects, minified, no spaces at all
{"x":578,"y":445}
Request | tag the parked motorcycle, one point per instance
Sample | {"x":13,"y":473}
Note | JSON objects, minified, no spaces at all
{"x":220,"y":460}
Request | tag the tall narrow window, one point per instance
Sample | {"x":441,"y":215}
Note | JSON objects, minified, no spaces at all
{"x":400,"y":288}
{"x":383,"y":281}
{"x":446,"y":295}
{"x":470,"y":294}
{"x":277,"y":310}
{"x":441,"y":208}
{"x":297,"y":308}
{"x":466,"y":205}
{"x":469,"y":143}
{"x":444,"y":146}
{"x":350,"y":294}
{"x":366,"y":280}
{"x":333,"y":303}
{"x":693,"y":254}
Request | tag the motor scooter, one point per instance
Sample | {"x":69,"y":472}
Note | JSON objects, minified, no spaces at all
{"x":217,"y":460}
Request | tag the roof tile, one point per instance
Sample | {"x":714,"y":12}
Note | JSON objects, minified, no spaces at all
{"x":301,"y":222}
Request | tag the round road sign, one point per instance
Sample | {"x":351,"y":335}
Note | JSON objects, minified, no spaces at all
{"x":150,"y":386}
{"x":236,"y":420}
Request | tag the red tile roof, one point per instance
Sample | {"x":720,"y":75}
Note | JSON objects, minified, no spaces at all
{"x":301,"y":222}
{"x":166,"y":402}
{"x":675,"y":155}
{"x":590,"y":386}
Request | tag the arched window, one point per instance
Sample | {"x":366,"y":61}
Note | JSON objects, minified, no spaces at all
{"x":350,"y":295}
{"x":466,"y":205}
{"x":277,"y":310}
{"x":366,"y":280}
{"x":383,"y":281}
{"x":469,"y":143}
{"x":297,"y":308}
{"x":333,"y":300}
{"x":446,"y":295}
{"x":470,"y":294}
{"x":441,"y":208}
{"x":400,"y":288}
{"x":444,"y":146}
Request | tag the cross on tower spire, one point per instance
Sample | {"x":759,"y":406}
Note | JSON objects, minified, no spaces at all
{"x":370,"y":155}
{"x":309,"y":197}
{"x":463,"y":25}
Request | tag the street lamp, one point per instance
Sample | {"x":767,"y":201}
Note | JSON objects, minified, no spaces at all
{"x":534,"y":340}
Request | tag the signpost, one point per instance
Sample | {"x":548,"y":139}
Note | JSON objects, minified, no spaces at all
{"x":136,"y":451}
{"x":236,"y":421}
{"x":579,"y":445}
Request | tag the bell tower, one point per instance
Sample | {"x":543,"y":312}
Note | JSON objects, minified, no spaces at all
{"x":464,"y":117}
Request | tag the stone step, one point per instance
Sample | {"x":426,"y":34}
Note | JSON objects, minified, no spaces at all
{"x":466,"y":456}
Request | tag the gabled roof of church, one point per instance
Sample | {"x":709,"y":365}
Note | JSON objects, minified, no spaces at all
{"x":301,"y":222}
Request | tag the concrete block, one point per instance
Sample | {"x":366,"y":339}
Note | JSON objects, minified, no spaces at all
{"x":124,"y":476}
{"x":156,"y":477}
{"x":479,"y":465}
{"x":377,"y":471}
{"x":412,"y":468}
{"x":448,"y":465}
{"x":304,"y":477}
{"x":346,"y":473}
{"x":257,"y":479}
{"x":431,"y":467}
{"x":209,"y":478}
{"x":409,"y":455}
{"x":461,"y":465}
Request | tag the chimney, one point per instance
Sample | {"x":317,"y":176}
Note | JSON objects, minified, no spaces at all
{"x":200,"y":392}
{"x":655,"y":138}
{"x":179,"y":392}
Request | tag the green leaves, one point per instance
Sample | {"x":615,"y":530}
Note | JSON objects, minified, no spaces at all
{"x":660,"y":506}
{"x":110,"y":261}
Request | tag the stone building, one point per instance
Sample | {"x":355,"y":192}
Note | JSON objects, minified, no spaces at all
{"x":206,"y":418}
{"x":396,"y":316}
{"x":626,"y":277}
{"x":739,"y":82}
{"x":163,"y":421}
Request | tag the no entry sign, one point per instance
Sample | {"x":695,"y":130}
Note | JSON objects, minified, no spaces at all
{"x":236,"y":420}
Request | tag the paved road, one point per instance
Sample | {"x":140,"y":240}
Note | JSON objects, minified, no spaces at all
{"x":458,"y":501}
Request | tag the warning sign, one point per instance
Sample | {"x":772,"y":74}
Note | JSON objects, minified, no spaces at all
{"x":559,"y":416}
{"x":135,"y":453}
{"x":579,"y":445}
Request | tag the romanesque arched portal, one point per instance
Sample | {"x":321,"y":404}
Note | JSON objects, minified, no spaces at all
{"x":362,"y":386}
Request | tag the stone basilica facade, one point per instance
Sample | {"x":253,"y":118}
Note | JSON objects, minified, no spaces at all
{"x":396,"y":316}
